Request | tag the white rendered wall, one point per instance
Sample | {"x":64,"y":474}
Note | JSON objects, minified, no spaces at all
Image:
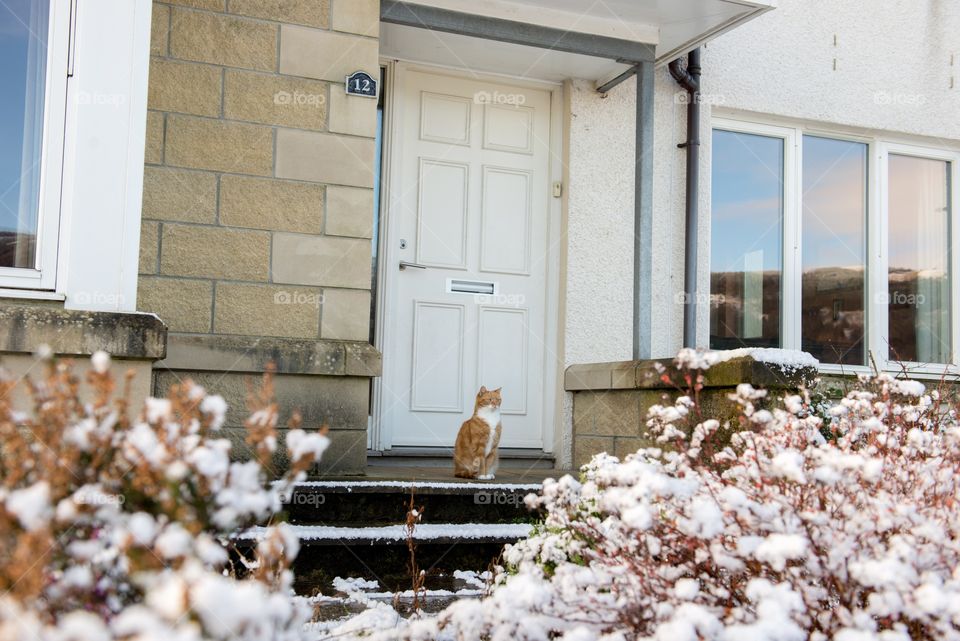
{"x":597,"y":300}
{"x":599,"y":261}
{"x":600,"y":216}
{"x":894,"y":63}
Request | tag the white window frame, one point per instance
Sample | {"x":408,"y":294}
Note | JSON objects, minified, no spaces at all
{"x":790,"y":240}
{"x":42,"y":277}
{"x":879,"y":149}
{"x":884,"y":149}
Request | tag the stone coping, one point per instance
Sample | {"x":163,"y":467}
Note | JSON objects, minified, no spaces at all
{"x":643,"y":374}
{"x":251,"y":354}
{"x":132,"y":335}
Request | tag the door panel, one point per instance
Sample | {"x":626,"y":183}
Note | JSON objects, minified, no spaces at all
{"x":505,"y":227}
{"x":442,"y":214}
{"x":469,"y":203}
{"x":445,"y":118}
{"x":503,"y":354}
{"x":438,"y":381}
{"x":508,"y":128}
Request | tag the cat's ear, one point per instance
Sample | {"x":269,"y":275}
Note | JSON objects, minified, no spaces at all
{"x":483,"y":390}
{"x":498,"y":390}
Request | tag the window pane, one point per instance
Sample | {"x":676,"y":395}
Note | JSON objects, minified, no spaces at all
{"x":834,"y":240}
{"x":23,"y":37}
{"x":919,"y":274}
{"x":745,"y":240}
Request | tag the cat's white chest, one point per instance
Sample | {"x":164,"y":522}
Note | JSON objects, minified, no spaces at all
{"x":490,"y":416}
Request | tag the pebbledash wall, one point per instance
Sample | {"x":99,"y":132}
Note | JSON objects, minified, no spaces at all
{"x":834,"y":64}
{"x":258,"y":205}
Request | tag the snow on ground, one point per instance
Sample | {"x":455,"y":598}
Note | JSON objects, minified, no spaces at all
{"x":470,"y":577}
{"x":385,"y":595}
{"x":362,"y":607}
{"x":354,"y":584}
{"x":379,"y":616}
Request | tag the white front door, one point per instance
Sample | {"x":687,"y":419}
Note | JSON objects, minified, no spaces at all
{"x":469,"y":203}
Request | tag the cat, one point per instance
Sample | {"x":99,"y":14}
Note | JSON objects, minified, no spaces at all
{"x":475,"y":452}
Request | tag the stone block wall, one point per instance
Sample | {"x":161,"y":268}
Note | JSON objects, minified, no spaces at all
{"x":258,"y":200}
{"x":258,"y":180}
{"x":326,"y":381}
{"x":611,"y":400}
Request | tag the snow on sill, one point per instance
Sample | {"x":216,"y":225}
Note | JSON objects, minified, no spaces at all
{"x":786,"y":358}
{"x":423,"y":532}
{"x":437,"y":485}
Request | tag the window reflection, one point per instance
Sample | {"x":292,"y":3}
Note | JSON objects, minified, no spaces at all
{"x":745,"y":244}
{"x":919,"y":274}
{"x":23,"y":34}
{"x":834,"y":235}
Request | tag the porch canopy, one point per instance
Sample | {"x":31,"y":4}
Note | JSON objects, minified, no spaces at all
{"x":556,"y":39}
{"x":606,"y":41}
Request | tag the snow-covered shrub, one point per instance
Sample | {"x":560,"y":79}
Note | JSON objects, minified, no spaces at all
{"x":779,"y":534}
{"x":120,"y":529}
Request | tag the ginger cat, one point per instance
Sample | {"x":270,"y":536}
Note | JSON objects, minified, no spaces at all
{"x":475,"y":453}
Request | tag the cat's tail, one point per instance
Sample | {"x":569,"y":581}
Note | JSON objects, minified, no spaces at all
{"x":464,"y":471}
{"x":461,"y":471}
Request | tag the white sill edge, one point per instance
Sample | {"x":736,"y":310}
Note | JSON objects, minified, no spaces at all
{"x":926,"y":372}
{"x":32,"y":294}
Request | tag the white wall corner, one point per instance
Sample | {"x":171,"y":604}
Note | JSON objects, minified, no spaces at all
{"x":103,"y":160}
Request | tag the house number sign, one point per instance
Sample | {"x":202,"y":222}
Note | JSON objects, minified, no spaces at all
{"x":359,"y":83}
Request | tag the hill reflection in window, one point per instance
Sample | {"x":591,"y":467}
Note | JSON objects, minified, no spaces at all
{"x":746,"y":238}
{"x":834,"y":249}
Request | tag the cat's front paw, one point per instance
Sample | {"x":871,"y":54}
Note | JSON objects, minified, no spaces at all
{"x":486,"y":477}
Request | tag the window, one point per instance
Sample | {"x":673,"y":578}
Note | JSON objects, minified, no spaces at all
{"x":834,"y":228}
{"x":31,"y":150}
{"x":745,"y":240}
{"x":918,"y":269}
{"x":794,"y":216}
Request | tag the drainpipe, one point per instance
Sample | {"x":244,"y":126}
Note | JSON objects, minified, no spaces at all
{"x":689,"y":79}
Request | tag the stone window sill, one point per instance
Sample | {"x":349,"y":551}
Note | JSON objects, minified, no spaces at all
{"x":125,"y":335}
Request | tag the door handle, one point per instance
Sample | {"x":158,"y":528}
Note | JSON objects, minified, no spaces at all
{"x":404,"y":264}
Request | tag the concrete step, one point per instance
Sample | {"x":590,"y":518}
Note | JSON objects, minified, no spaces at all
{"x":382,"y":553}
{"x":442,"y":457}
{"x":386,"y":562}
{"x":355,"y":528}
{"x":378,"y":503}
{"x":424,"y":533}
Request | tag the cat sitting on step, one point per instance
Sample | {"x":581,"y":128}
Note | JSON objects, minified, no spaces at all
{"x":475,"y":452}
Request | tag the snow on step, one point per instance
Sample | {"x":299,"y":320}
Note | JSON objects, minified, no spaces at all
{"x":425,"y":532}
{"x":420,"y":485}
{"x":404,"y":594}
